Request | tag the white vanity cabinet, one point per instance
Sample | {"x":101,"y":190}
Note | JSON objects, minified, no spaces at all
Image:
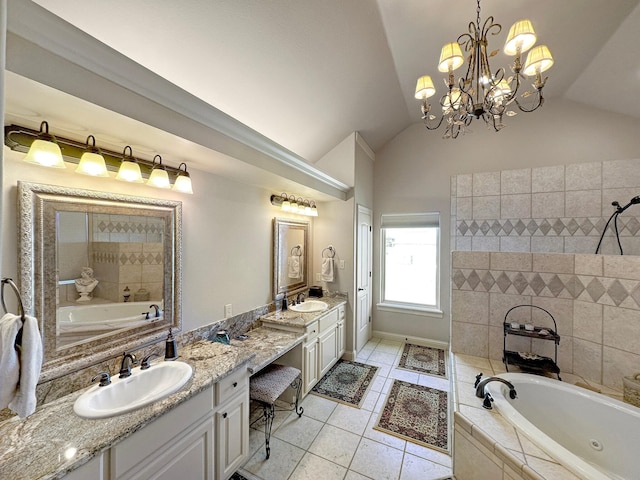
{"x":340,"y":332}
{"x":310,"y":359}
{"x":206,"y":437}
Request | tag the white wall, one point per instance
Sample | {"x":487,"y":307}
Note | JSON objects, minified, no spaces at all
{"x":227,"y":235}
{"x":412,"y":174}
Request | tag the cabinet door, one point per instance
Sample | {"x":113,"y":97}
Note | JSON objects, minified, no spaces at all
{"x":340,"y":340}
{"x":328,"y":351}
{"x":310,"y":371}
{"x":232,"y":435}
{"x":93,"y":469}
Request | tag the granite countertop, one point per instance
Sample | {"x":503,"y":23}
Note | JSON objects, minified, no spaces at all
{"x":38,"y":446}
{"x":268,"y":344}
{"x":290,"y":318}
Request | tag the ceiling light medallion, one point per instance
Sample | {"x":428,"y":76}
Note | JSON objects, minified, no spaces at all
{"x":482,"y":93}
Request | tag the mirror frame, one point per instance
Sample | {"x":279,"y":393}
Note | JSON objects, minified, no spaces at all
{"x":299,"y":286}
{"x":37,"y":208}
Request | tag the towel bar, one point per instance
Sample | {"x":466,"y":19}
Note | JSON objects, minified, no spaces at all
{"x":331,"y":254}
{"x":10,"y":282}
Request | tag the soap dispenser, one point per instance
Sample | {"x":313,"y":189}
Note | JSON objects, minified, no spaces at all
{"x":171,"y":348}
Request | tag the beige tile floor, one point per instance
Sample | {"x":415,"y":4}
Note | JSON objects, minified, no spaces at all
{"x":334,"y":441}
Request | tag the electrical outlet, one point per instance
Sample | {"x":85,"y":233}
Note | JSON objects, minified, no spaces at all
{"x":341,"y":265}
{"x":318,"y":277}
{"x":227,"y":310}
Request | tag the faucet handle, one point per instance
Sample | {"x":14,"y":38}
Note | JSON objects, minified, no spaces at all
{"x":145,"y":364}
{"x":478,"y":377}
{"x":105,"y":379}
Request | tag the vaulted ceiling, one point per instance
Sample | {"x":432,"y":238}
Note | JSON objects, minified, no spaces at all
{"x":307,"y":73}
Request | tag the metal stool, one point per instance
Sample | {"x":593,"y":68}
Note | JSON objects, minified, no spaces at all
{"x":267,"y":385}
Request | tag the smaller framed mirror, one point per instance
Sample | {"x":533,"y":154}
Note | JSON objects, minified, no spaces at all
{"x":100,"y":271}
{"x":290,"y":257}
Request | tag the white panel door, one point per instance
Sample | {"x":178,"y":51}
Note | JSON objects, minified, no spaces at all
{"x":363,"y":277}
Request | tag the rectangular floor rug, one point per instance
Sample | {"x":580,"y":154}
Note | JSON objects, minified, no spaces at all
{"x":417,"y":414}
{"x":429,"y":360}
{"x":347,"y":382}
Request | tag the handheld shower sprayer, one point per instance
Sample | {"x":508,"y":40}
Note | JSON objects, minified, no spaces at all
{"x":614,"y":216}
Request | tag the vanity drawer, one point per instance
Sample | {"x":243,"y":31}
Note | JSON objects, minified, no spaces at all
{"x":329,"y":320}
{"x":341,"y":312}
{"x":311,"y":331}
{"x":230,"y":385}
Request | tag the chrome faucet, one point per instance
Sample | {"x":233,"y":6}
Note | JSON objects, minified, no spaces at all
{"x":300,"y":295}
{"x":481,"y":383}
{"x":125,"y":366}
{"x":157,"y":307}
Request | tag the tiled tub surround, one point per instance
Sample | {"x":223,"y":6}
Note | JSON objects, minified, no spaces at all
{"x":560,"y":209}
{"x":486,"y":446}
{"x":595,"y":300}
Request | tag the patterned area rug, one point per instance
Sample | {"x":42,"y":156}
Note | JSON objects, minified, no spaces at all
{"x":423,"y":360}
{"x":417,"y":414}
{"x":347,"y":382}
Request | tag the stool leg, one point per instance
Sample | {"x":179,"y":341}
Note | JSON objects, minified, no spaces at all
{"x":297,"y":384}
{"x":268,"y":413}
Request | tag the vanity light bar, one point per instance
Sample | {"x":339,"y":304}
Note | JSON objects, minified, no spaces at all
{"x":293,"y":204}
{"x":20,"y":139}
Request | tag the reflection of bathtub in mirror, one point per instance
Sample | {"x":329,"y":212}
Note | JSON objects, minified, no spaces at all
{"x":78,"y":323}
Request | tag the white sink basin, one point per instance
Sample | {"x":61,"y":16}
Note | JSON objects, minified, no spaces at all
{"x":309,"y":306}
{"x":126,"y":394}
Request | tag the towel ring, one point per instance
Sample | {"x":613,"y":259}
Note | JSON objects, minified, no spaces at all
{"x":9,"y":281}
{"x":331,"y":254}
{"x":297,"y":251}
{"x":5,"y":281}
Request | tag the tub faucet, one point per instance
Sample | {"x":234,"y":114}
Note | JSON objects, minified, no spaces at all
{"x":125,"y":366}
{"x":481,"y":383}
{"x":300,"y":297}
{"x":157,"y":307}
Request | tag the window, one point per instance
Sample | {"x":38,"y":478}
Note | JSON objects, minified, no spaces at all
{"x":410,"y":255}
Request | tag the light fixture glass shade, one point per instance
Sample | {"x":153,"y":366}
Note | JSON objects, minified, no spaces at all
{"x":159,"y":178}
{"x":522,"y":36}
{"x":286,"y":205}
{"x":450,"y":57}
{"x":183,"y":184}
{"x":92,"y":164}
{"x":294,"y":206}
{"x":539,"y":60}
{"x":452,"y":99}
{"x":129,"y":172}
{"x":45,"y":153}
{"x":425,"y":88}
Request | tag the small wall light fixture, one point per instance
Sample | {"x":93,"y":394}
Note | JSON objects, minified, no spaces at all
{"x":159,"y":177}
{"x":129,"y":169}
{"x":45,"y":150}
{"x":289,"y":203}
{"x":92,"y":162}
{"x":183,"y":180}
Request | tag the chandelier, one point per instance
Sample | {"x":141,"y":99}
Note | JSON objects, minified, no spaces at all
{"x":482,"y":93}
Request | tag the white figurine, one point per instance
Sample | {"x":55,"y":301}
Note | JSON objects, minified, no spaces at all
{"x":85,"y":284}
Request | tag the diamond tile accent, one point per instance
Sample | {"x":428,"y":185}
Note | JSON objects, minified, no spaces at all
{"x":507,"y":227}
{"x":473,"y":279}
{"x":595,"y":289}
{"x":600,"y":224}
{"x":485,"y":227}
{"x":496,"y":227}
{"x":635,"y":294}
{"x":532,"y":226}
{"x":520,"y":282}
{"x":504,"y":282}
{"x":558,"y":226}
{"x":586,"y":226}
{"x":633,"y":226}
{"x":488,"y":281}
{"x":458,"y":279}
{"x":617,"y":292}
{"x":462,"y":227}
{"x":544,"y":226}
{"x":572,"y":226}
{"x":555,"y":285}
{"x":574,"y":286}
{"x":520,"y":227}
{"x":474,"y":227}
{"x":537,"y":284}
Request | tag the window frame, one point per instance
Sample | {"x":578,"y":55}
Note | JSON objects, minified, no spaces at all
{"x":410,"y":220}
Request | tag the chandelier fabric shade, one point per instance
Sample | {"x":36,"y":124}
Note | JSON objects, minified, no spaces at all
{"x":484,"y":93}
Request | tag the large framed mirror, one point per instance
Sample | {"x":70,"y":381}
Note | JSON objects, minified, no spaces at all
{"x":290,"y":257}
{"x":101,"y":272}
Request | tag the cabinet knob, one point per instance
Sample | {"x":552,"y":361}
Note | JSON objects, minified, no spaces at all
{"x":235,"y":384}
{"x":224,"y":415}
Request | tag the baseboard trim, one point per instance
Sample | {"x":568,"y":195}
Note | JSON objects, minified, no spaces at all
{"x":426,"y":342}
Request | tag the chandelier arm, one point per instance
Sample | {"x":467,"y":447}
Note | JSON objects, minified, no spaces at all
{"x":537,"y":105}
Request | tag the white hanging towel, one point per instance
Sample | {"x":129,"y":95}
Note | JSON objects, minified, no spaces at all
{"x":9,"y":360}
{"x":327,"y":269}
{"x":294,"y":266}
{"x":24,"y":402}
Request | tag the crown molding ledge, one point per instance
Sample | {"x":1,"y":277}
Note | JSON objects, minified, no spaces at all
{"x":49,"y":50}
